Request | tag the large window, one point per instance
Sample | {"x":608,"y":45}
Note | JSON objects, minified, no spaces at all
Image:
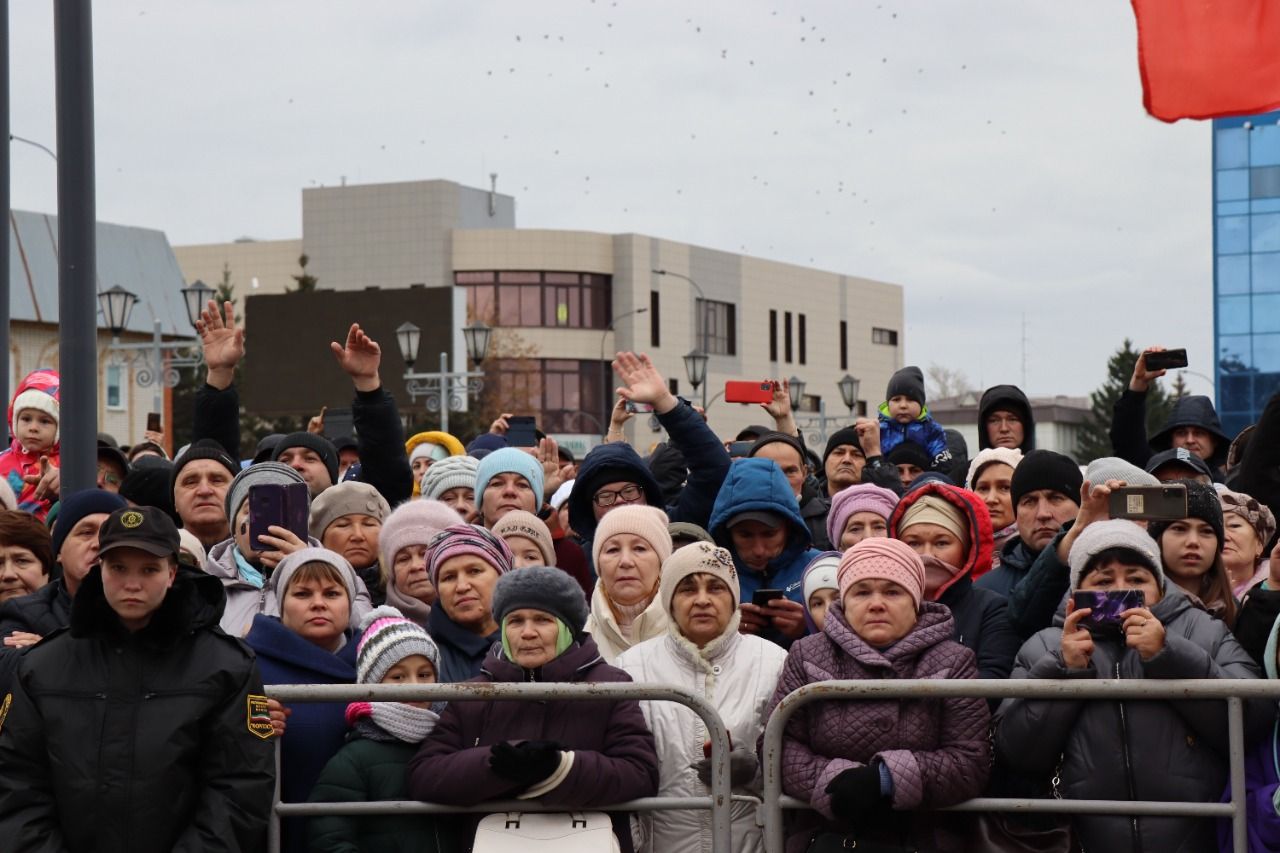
{"x":563,"y":394}
{"x":114,"y":396}
{"x":566,"y":300}
{"x":888,"y":337}
{"x":717,"y":327}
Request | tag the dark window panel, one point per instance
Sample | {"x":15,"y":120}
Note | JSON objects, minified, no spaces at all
{"x":800,"y":331}
{"x":773,"y":335}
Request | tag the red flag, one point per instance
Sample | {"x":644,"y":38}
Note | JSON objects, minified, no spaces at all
{"x":1208,"y":58}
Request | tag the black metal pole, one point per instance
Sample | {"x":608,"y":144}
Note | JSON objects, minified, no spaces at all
{"x":77,"y":262}
{"x":5,"y":200}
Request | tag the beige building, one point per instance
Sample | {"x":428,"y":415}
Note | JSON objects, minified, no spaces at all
{"x":567,"y":300}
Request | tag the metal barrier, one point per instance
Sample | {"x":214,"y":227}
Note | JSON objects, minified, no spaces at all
{"x":1232,"y":691}
{"x":718,"y":803}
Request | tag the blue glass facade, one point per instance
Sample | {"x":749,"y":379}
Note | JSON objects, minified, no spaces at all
{"x":1246,"y":269}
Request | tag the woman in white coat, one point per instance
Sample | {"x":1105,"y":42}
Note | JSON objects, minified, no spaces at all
{"x":737,"y":673}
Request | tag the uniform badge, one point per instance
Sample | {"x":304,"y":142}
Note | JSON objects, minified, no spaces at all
{"x":131,"y":519}
{"x":258,"y":718}
{"x":4,"y":708}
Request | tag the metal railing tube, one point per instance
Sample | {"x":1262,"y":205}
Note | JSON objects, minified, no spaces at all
{"x":720,"y":800}
{"x":1235,"y":748}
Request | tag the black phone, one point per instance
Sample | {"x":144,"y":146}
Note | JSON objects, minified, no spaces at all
{"x":1166,"y":359}
{"x":739,"y":449}
{"x":522,"y":431}
{"x":762,"y":597}
{"x":153,"y":422}
{"x":281,"y":505}
{"x":1149,"y":503}
{"x":1106,"y":605}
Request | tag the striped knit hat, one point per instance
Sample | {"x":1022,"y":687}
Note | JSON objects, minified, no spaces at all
{"x":467,"y":539}
{"x":387,"y":638}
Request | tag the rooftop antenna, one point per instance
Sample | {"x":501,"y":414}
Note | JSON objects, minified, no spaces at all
{"x":493,"y":194}
{"x":343,"y":179}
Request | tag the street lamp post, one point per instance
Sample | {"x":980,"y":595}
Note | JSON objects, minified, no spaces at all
{"x":849,"y":392}
{"x":157,"y":361}
{"x":444,"y":391}
{"x":848,"y":386}
{"x":695,"y":366}
{"x":701,"y":334}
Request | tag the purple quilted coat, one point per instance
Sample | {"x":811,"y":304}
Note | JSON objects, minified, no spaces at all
{"x":936,"y":749}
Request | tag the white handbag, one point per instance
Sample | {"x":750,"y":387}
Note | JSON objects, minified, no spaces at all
{"x":547,"y":832}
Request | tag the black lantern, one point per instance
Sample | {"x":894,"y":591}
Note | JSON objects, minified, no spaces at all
{"x":116,"y":305}
{"x":407,"y":336}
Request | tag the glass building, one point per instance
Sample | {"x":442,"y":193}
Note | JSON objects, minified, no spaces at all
{"x":1246,"y":269}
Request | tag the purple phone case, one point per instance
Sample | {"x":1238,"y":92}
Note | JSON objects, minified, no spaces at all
{"x":1107,"y":605}
{"x":284,"y":506}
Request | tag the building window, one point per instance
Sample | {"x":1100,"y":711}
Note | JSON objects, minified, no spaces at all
{"x":655,"y":335}
{"x":773,"y":335}
{"x":844,"y":345}
{"x":884,"y":336}
{"x":801,"y":332}
{"x":538,"y":299}
{"x":566,"y":396}
{"x":786,"y":336}
{"x":673,"y":385}
{"x":115,"y":397}
{"x":717,"y":327}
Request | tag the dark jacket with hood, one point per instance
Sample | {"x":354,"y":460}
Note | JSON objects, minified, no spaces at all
{"x":814,"y":508}
{"x":1258,"y":473}
{"x":1036,"y":598}
{"x":1155,"y":750}
{"x":119,"y":741}
{"x":1016,"y":558}
{"x":44,"y":611}
{"x":619,"y":462}
{"x":1010,"y":398}
{"x":374,"y":417}
{"x":1129,"y":433}
{"x":315,"y":731}
{"x":980,"y":619}
{"x":758,"y":484}
{"x":462,"y":652}
{"x":614,"y":758}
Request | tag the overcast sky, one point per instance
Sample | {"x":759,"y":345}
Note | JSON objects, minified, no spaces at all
{"x":993,"y":158}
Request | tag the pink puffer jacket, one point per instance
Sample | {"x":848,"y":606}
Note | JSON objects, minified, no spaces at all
{"x":937,"y":750}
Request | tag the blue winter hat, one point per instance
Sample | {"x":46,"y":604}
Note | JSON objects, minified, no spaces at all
{"x":488,"y":442}
{"x":509,"y":460}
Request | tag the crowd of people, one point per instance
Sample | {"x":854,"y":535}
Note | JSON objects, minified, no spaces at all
{"x":142,"y":619}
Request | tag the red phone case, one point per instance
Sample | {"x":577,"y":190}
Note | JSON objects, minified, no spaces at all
{"x":737,"y":391}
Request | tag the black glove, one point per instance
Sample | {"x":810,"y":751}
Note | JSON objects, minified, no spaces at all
{"x":855,"y":792}
{"x":526,"y":763}
{"x":742,"y":768}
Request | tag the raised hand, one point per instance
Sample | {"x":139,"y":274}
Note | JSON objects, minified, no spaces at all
{"x":1077,"y":643}
{"x":222,"y":342}
{"x":642,"y":383}
{"x":1142,"y":378}
{"x":315,"y":426}
{"x":359,"y":359}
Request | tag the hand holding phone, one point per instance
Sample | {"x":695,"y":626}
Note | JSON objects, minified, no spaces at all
{"x":1169,"y":359}
{"x":277,"y":505}
{"x":748,"y":392}
{"x":762,"y":597}
{"x":1149,"y":503}
{"x":522,"y":431}
{"x":1105,"y":606}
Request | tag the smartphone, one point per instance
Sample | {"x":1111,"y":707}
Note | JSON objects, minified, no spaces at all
{"x":748,"y":392}
{"x":1150,"y":503}
{"x":639,"y":408}
{"x":762,"y":597}
{"x":153,"y":422}
{"x":522,"y":431}
{"x":281,"y":505}
{"x":1106,"y":605}
{"x":740,"y":449}
{"x":1166,"y":360}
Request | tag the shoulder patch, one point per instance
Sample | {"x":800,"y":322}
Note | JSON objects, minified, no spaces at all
{"x":257,"y":718}
{"x":4,"y":708}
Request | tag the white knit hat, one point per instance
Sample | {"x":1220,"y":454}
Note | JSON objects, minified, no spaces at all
{"x":1113,"y":468}
{"x":1010,"y":456}
{"x":1114,"y":533}
{"x":453,"y":472}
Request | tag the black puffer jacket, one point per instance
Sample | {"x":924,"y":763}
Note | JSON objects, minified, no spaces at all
{"x":42,"y":612}
{"x":137,"y":742}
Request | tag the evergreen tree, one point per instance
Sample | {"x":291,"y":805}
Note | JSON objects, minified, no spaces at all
{"x":226,"y":290}
{"x":1095,"y":432}
{"x":306,"y":281}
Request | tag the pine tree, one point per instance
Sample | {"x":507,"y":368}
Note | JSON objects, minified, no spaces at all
{"x":306,"y":281}
{"x":226,"y":290}
{"x":1095,"y":437}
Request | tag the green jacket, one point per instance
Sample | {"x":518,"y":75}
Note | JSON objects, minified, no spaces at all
{"x":365,"y":771}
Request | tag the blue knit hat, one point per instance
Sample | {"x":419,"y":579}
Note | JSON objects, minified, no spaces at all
{"x":509,"y":460}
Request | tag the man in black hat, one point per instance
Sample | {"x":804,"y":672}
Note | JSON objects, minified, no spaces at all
{"x":143,"y":727}
{"x":1179,"y":463}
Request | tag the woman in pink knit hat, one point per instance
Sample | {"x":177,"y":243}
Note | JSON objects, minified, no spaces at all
{"x":860,"y":763}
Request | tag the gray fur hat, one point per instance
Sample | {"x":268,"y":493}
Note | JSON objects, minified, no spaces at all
{"x":541,"y":588}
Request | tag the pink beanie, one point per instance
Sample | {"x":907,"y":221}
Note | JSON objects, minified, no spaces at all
{"x":647,"y":522}
{"x":467,"y":539}
{"x":863,"y":497}
{"x":882,"y":559}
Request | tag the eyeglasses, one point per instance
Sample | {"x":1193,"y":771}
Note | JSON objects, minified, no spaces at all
{"x":108,"y":476}
{"x":608,"y":497}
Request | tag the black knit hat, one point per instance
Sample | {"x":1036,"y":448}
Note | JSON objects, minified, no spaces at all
{"x":848,"y":435}
{"x":779,"y":438}
{"x":321,"y":445}
{"x":1044,"y":469}
{"x":907,"y":382}
{"x":205,"y":448}
{"x":1202,"y":503}
{"x":77,"y":506}
{"x":542,"y":588}
{"x":909,"y":453}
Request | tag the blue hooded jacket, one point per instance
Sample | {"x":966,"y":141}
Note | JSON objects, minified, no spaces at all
{"x":924,"y":431}
{"x":759,"y":484}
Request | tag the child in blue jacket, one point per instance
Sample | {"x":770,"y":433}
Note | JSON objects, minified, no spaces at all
{"x":904,"y":417}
